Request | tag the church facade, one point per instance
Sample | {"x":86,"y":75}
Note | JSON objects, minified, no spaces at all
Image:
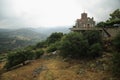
{"x":84,"y":21}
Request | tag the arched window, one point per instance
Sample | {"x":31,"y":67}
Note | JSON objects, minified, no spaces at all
{"x":88,"y":25}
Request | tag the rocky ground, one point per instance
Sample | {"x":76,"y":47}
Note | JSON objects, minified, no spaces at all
{"x":56,"y":68}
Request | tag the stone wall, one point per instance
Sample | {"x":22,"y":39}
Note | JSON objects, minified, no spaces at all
{"x":112,"y":31}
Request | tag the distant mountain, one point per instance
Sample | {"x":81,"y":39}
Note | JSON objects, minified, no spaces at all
{"x":12,"y":39}
{"x":27,"y":34}
{"x":48,"y":31}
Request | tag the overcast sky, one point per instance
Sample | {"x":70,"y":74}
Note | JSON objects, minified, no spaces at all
{"x":51,"y":13}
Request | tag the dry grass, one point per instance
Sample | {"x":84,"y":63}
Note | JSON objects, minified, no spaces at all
{"x":1,"y":65}
{"x":22,"y":73}
{"x":57,"y":69}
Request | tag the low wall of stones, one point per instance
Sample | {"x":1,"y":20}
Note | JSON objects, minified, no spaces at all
{"x":111,"y":31}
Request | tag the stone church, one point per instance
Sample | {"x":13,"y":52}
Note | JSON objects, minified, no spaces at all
{"x":84,"y":21}
{"x":87,"y":24}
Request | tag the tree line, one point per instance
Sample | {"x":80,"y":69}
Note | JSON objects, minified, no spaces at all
{"x":113,"y":21}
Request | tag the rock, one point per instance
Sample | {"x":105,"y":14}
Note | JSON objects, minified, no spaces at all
{"x":81,"y":71}
{"x":92,"y":65}
{"x":105,"y":67}
{"x":55,"y":52}
{"x":39,"y":70}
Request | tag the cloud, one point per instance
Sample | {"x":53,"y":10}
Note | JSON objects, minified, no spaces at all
{"x":36,"y":13}
{"x":100,"y":9}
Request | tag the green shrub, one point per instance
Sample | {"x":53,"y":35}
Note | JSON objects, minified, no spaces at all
{"x":100,"y":24}
{"x":93,"y":37}
{"x":30,"y":47}
{"x":28,"y":54}
{"x":53,"y":47}
{"x":14,"y":59}
{"x":38,"y":53}
{"x":116,"y":64}
{"x":54,"y":37}
{"x":116,"y":42}
{"x":95,"y":50}
{"x":77,"y":46}
{"x":18,"y":57}
{"x":74,"y":45}
{"x":41,"y":44}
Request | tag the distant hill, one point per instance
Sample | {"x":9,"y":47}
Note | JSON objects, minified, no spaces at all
{"x":27,"y":34}
{"x":12,"y":39}
{"x":48,"y":31}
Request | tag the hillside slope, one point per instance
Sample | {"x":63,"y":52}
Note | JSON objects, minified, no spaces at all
{"x":27,"y":34}
{"x":12,"y":39}
{"x":56,"y":68}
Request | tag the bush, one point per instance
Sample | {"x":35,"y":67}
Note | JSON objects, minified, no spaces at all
{"x":28,"y":54}
{"x":116,"y":56}
{"x":74,"y":45}
{"x":14,"y":59}
{"x":116,"y":64}
{"x":53,"y":47}
{"x":30,"y":47}
{"x":100,"y":24}
{"x":116,"y":42}
{"x":40,"y":44}
{"x":54,"y":37}
{"x":95,"y":50}
{"x":93,"y":37}
{"x":38,"y":53}
{"x":21,"y":56}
